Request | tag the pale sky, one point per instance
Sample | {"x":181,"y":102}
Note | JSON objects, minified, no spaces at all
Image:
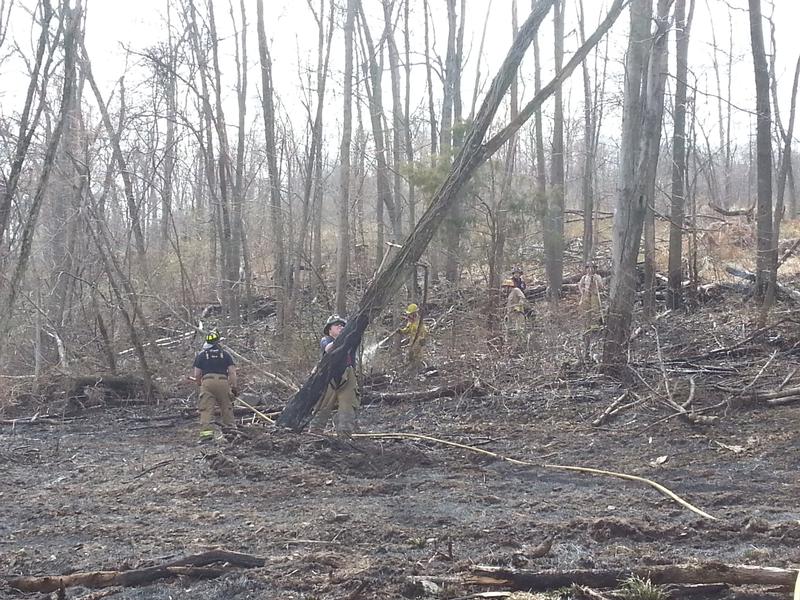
{"x":115,"y":24}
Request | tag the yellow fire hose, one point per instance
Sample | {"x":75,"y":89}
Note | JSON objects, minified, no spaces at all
{"x":670,"y":494}
{"x":416,"y":436}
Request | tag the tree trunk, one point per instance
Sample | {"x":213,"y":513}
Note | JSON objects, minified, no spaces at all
{"x":766,"y":256}
{"x":631,"y":200}
{"x":587,"y":179}
{"x":397,"y":122}
{"x":343,"y":227}
{"x":27,"y":125}
{"x":275,"y":202}
{"x":554,"y":230}
{"x":540,"y":194}
{"x":374,"y":87}
{"x":431,"y":108}
{"x":170,"y":153}
{"x":119,"y":158}
{"x":448,"y":144}
{"x":71,"y":19}
{"x":678,"y":195}
{"x":659,"y":62}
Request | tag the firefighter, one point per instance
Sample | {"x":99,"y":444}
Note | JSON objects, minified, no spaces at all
{"x":514,"y":321}
{"x":342,"y":392}
{"x":517,"y":278}
{"x":416,"y":333}
{"x":590,"y":286}
{"x":215,"y":375}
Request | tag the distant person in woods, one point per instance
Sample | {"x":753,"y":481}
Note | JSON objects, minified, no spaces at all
{"x":517,"y":278}
{"x":342,"y":392}
{"x":215,"y":374}
{"x":590,"y":286}
{"x":514,"y":320}
{"x":415,"y":334}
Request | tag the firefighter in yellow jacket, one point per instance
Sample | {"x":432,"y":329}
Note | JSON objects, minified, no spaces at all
{"x":415,"y":334}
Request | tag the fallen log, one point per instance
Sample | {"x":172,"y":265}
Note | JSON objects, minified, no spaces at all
{"x":521,"y":579}
{"x":473,"y":388}
{"x":771,"y":398}
{"x":733,"y":212}
{"x":188,"y":566}
{"x":783,"y":290}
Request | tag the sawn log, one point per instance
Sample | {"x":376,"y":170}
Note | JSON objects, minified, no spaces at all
{"x":520,"y":579}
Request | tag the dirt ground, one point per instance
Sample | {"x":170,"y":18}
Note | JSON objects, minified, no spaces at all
{"x":126,"y":487}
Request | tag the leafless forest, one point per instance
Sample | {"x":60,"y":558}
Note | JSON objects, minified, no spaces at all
{"x":256,"y":167}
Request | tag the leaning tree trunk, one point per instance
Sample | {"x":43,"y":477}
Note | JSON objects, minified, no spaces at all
{"x":72,"y":20}
{"x":28,"y":122}
{"x":470,"y":156}
{"x":766,"y":258}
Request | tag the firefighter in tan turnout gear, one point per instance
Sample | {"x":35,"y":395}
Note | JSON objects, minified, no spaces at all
{"x":215,"y":374}
{"x":514,"y":321}
{"x":342,"y":392}
{"x":590,"y":286}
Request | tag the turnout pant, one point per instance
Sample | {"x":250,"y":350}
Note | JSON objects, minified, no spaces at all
{"x":342,"y":397}
{"x":215,"y":391}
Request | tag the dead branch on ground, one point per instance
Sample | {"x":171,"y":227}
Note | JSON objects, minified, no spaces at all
{"x":466,"y":387}
{"x":188,"y":566}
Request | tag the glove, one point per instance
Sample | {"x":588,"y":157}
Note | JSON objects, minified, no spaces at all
{"x":234,"y":390}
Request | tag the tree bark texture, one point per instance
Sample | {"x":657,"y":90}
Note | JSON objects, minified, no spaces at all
{"x":682,"y":574}
{"x":678,"y":192}
{"x":343,"y":221}
{"x":631,"y":201}
{"x":275,"y":201}
{"x":766,"y":257}
{"x":554,"y":222}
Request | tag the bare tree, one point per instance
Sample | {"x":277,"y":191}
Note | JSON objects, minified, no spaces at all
{"x":640,"y":127}
{"x":374,"y":86}
{"x":766,"y":255}
{"x":72,"y":19}
{"x":343,"y":227}
{"x":312,"y":184}
{"x":658,"y":61}
{"x":683,"y":26}
{"x":540,"y":196}
{"x":554,"y":223}
{"x":39,"y":76}
{"x":587,"y":178}
{"x":275,"y":202}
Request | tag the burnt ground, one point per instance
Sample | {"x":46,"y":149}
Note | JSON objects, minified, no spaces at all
{"x":118,"y":488}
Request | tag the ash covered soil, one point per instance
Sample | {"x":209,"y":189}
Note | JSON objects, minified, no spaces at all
{"x":121,"y":488}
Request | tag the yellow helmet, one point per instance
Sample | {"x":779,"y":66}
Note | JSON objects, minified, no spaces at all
{"x":212,"y":337}
{"x":507,"y":283}
{"x":411,"y":309}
